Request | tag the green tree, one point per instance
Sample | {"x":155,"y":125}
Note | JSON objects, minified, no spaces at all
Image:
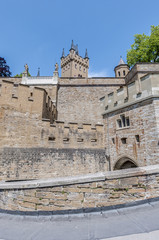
{"x":20,"y":75}
{"x":145,"y":48}
{"x":4,"y":68}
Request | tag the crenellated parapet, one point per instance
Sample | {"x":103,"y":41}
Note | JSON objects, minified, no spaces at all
{"x":140,"y":85}
{"x":72,"y":135}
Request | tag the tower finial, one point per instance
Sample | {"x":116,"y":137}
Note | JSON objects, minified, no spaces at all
{"x":76,"y":49}
{"x":63,"y":53}
{"x":86,"y":54}
{"x":72,"y":46}
{"x":121,"y":61}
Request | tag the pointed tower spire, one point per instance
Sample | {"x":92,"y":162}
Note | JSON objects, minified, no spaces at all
{"x":38,"y":74}
{"x":121,"y":61}
{"x":63,"y":53}
{"x":76,"y":47}
{"x":86,"y":54}
{"x":72,"y":46}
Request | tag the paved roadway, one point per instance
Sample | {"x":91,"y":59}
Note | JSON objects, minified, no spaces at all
{"x":132,"y":223}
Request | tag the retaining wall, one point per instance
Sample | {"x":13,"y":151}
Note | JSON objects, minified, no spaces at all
{"x":81,"y":192}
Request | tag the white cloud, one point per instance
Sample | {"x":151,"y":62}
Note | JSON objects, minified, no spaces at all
{"x":102,"y":73}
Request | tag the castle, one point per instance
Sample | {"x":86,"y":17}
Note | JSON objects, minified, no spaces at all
{"x":75,"y":125}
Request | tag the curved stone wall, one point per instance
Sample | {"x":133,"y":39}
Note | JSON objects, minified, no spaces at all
{"x":81,"y":192}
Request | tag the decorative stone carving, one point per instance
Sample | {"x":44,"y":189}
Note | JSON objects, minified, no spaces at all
{"x":26,"y":68}
{"x":56,"y":67}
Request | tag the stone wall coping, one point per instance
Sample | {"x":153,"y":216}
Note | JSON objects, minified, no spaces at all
{"x":91,"y":85}
{"x":101,"y":176}
{"x":130,"y":103}
{"x":92,"y":78}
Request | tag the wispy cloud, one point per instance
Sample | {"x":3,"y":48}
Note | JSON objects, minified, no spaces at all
{"x":102,"y":73}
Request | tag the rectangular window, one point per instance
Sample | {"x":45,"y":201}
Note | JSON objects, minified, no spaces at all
{"x":123,"y":122}
{"x":123,"y":140}
{"x":51,"y":139}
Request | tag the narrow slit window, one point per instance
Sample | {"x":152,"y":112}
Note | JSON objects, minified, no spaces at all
{"x":127,"y":122}
{"x":119,"y":123}
{"x":137,"y":138}
{"x":65,"y":140}
{"x":123,"y":120}
{"x":94,"y":140}
{"x":79,"y":139}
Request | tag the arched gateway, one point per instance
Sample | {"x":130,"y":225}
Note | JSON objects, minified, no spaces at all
{"x":124,"y":162}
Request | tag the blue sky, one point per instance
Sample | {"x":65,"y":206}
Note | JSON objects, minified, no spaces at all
{"x":36,"y":31}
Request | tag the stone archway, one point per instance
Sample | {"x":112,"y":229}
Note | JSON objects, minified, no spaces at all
{"x":124,"y":163}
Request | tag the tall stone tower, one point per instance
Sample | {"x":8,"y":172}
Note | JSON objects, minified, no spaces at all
{"x":73,"y":65}
{"x":122,"y":69}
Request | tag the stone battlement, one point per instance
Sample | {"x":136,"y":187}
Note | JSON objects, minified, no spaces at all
{"x":74,"y":135}
{"x":141,"y":69}
{"x":141,"y":89}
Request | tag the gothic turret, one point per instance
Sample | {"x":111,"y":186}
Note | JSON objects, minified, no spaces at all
{"x":122,"y":69}
{"x":73,"y":65}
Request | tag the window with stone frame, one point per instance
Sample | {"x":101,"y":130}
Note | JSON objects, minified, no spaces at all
{"x":123,"y":121}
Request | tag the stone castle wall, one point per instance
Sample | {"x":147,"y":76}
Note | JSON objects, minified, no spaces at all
{"x":142,"y":124}
{"x":78,"y":99}
{"x":83,"y":193}
{"x":136,"y":139}
{"x":41,"y":163}
{"x":31,"y":148}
